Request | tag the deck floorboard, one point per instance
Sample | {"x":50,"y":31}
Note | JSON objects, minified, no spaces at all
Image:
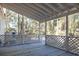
{"x":36,"y":49}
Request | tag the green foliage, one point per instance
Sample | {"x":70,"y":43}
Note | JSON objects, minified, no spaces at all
{"x":74,"y":25}
{"x":51,"y":27}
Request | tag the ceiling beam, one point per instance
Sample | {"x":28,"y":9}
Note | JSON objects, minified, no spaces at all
{"x":52,"y":7}
{"x":26,"y":11}
{"x":62,"y":14}
{"x":44,"y":8}
{"x":19,"y":10}
{"x":37,"y":9}
{"x":74,"y":5}
{"x":61,"y":6}
{"x":23,"y":11}
{"x":29,"y":9}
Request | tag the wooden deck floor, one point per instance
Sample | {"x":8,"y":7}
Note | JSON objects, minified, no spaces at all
{"x":36,"y":49}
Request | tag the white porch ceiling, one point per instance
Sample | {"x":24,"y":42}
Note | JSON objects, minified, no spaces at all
{"x":43,"y":11}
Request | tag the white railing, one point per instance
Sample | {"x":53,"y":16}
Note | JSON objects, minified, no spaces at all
{"x":6,"y":40}
{"x":60,"y":42}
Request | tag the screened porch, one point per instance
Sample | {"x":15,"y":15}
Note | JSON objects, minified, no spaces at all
{"x":39,"y":29}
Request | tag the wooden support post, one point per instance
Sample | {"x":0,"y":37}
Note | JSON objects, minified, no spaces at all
{"x":18,"y":24}
{"x":39,"y":32}
{"x":22,"y":29}
{"x":22,"y":25}
{"x":67,"y":39}
{"x":45,"y":31}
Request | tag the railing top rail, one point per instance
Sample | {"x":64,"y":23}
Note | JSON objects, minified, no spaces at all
{"x":64,"y":36}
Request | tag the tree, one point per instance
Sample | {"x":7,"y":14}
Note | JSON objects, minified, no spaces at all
{"x":51,"y":27}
